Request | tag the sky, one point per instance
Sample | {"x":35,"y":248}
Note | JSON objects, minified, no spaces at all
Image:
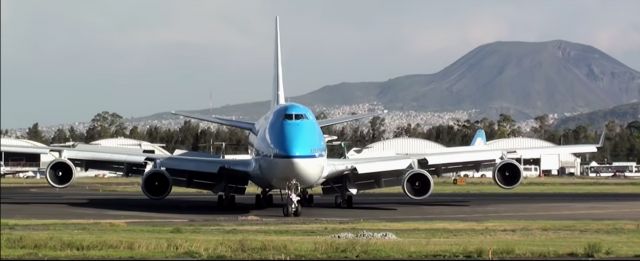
{"x":64,"y":61}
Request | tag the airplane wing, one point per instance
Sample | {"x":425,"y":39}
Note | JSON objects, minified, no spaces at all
{"x":352,"y":175}
{"x":217,"y":175}
{"x":334,"y":121}
{"x":214,"y":174}
{"x":125,"y":160}
{"x":245,"y":125}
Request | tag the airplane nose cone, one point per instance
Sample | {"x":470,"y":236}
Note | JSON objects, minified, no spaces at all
{"x":296,"y":145}
{"x":299,"y":140}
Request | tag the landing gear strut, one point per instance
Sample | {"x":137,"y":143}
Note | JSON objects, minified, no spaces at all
{"x":292,"y":206}
{"x":264,"y":199}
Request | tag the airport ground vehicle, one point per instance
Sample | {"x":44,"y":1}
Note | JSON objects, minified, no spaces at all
{"x":527,"y":171}
{"x":615,"y":169}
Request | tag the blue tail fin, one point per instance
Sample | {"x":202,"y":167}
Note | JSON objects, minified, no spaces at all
{"x":479,"y":139}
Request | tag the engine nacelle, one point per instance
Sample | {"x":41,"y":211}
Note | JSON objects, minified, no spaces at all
{"x":60,"y":173}
{"x":507,"y":174}
{"x":417,"y":184}
{"x":156,"y":184}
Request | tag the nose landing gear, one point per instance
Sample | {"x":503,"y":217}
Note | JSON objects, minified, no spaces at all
{"x":292,"y":206}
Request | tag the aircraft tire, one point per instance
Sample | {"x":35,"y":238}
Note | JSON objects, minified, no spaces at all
{"x":337,"y":201}
{"x":269,"y":200}
{"x":286,"y":210}
{"x":220,"y":202}
{"x":259,"y":203}
{"x":297,"y":211}
{"x":230,"y":201}
{"x":349,"y":201}
{"x":310,"y":200}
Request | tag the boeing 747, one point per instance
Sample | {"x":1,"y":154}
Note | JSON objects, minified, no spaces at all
{"x":289,"y":153}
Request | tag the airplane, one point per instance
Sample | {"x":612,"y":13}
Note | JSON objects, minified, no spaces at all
{"x":289,"y":153}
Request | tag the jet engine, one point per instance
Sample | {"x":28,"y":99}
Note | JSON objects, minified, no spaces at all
{"x":60,"y":173}
{"x":507,"y":174}
{"x":156,"y":184}
{"x":417,"y":184}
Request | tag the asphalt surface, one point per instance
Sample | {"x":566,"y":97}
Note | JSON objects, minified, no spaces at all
{"x":77,"y":203}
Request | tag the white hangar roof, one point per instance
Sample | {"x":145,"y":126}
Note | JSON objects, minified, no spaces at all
{"x":394,"y":146}
{"x":20,"y":142}
{"x":130,"y":143}
{"x":420,"y":146}
{"x":523,"y":142}
{"x":520,"y":142}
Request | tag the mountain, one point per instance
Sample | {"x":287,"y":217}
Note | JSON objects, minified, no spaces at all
{"x":520,"y":78}
{"x":524,"y":79}
{"x":597,"y":119}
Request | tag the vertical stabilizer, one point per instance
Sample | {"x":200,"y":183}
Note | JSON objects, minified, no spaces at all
{"x":479,"y":139}
{"x":278,"y":89}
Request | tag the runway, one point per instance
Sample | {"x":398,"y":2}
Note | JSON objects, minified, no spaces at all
{"x":76,"y":203}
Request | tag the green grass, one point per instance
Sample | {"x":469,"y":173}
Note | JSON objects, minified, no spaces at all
{"x":442,"y":185}
{"x":290,"y":238}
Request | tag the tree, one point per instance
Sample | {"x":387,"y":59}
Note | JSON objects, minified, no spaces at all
{"x":507,"y":127}
{"x":188,"y":136}
{"x":134,"y":133}
{"x":543,"y":125}
{"x":34,"y":133}
{"x":377,"y":129}
{"x":60,"y":136}
{"x":74,"y":135}
{"x":634,"y":128}
{"x":153,"y":134}
{"x":489,"y":128}
{"x":105,"y":125}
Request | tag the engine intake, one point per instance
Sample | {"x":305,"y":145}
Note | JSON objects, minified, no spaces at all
{"x":60,"y":173}
{"x":507,"y":174}
{"x":156,"y":184}
{"x":417,"y":184}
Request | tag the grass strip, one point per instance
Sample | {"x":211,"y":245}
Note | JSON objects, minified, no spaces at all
{"x":291,"y":238}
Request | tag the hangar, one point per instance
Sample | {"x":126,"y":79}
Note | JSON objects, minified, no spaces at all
{"x":20,"y":155}
{"x":555,"y":164}
{"x":121,"y":142}
{"x":25,"y":156}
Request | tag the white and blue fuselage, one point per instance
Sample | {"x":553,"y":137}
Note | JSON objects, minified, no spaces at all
{"x":288,"y":145}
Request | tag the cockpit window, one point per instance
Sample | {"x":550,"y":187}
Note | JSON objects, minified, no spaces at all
{"x":295,"y":117}
{"x":288,"y":117}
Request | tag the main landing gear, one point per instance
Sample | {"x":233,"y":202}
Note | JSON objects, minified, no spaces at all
{"x":306,"y":199}
{"x":291,"y":205}
{"x":264,"y":199}
{"x":226,"y":200}
{"x":343,"y":201}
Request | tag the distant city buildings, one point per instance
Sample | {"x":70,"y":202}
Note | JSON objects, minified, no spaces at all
{"x":393,"y":119}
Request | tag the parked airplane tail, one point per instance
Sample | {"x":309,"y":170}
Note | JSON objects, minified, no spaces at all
{"x":479,"y":139}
